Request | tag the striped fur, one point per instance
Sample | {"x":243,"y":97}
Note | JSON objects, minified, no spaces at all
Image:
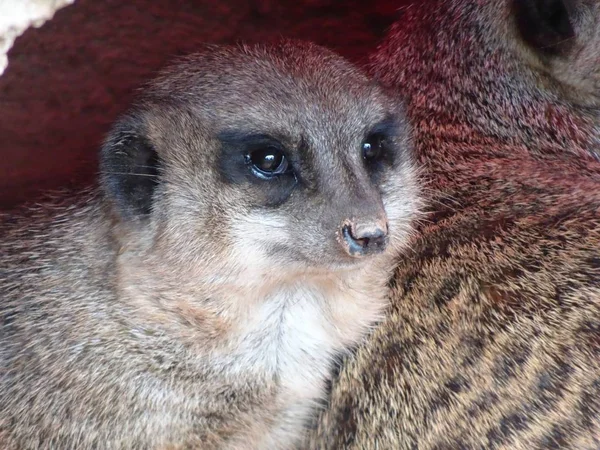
{"x":493,"y":338}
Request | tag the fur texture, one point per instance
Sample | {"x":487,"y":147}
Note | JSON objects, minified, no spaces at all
{"x":493,"y":340}
{"x":188,"y":302}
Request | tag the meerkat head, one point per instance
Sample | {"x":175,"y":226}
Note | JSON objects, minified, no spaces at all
{"x":562,"y":38}
{"x":264,"y":160}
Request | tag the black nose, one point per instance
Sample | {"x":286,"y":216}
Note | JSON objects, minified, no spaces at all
{"x":365,"y":240}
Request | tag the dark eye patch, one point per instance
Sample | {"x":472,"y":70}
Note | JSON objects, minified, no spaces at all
{"x":378,"y":147}
{"x":245,"y":158}
{"x":545,"y":25}
{"x":387,"y":127}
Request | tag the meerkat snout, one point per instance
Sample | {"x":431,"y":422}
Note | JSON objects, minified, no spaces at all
{"x":364,"y":237}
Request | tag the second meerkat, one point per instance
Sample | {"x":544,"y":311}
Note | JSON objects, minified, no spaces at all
{"x":240,"y":239}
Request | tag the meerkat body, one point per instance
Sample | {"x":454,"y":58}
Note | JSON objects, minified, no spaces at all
{"x":239,"y":241}
{"x":493,"y":338}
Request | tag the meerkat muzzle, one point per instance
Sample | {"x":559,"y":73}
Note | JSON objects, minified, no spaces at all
{"x":364,"y":238}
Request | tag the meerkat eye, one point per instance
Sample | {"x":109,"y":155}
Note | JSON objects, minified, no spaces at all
{"x":268,"y":162}
{"x":373,"y":147}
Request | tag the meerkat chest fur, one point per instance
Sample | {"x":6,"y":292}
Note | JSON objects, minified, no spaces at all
{"x":299,"y":328}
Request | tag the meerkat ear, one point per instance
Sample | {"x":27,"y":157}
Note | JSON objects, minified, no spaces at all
{"x":545,"y":24}
{"x":129,"y":168}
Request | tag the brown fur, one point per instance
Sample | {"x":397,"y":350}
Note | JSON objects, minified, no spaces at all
{"x":493,"y":340}
{"x":186,"y":303}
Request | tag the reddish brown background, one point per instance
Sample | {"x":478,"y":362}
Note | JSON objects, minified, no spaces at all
{"x":67,"y":81}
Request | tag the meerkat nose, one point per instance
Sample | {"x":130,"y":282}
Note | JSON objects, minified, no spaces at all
{"x":363,"y":238}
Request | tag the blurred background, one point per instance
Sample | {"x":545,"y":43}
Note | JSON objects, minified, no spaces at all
{"x":68,"y":80}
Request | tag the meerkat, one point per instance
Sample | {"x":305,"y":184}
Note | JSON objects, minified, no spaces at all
{"x":493,"y":336}
{"x":239,"y":240}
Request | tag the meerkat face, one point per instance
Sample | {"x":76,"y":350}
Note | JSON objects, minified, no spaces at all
{"x":565,"y":38}
{"x":264,"y":159}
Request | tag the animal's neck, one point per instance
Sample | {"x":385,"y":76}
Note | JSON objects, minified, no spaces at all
{"x":297,"y":329}
{"x":305,"y":316}
{"x":292,"y":334}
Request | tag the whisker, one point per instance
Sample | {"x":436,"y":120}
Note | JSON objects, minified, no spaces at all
{"x":559,"y":42}
{"x":132,"y":173}
{"x":143,"y":166}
